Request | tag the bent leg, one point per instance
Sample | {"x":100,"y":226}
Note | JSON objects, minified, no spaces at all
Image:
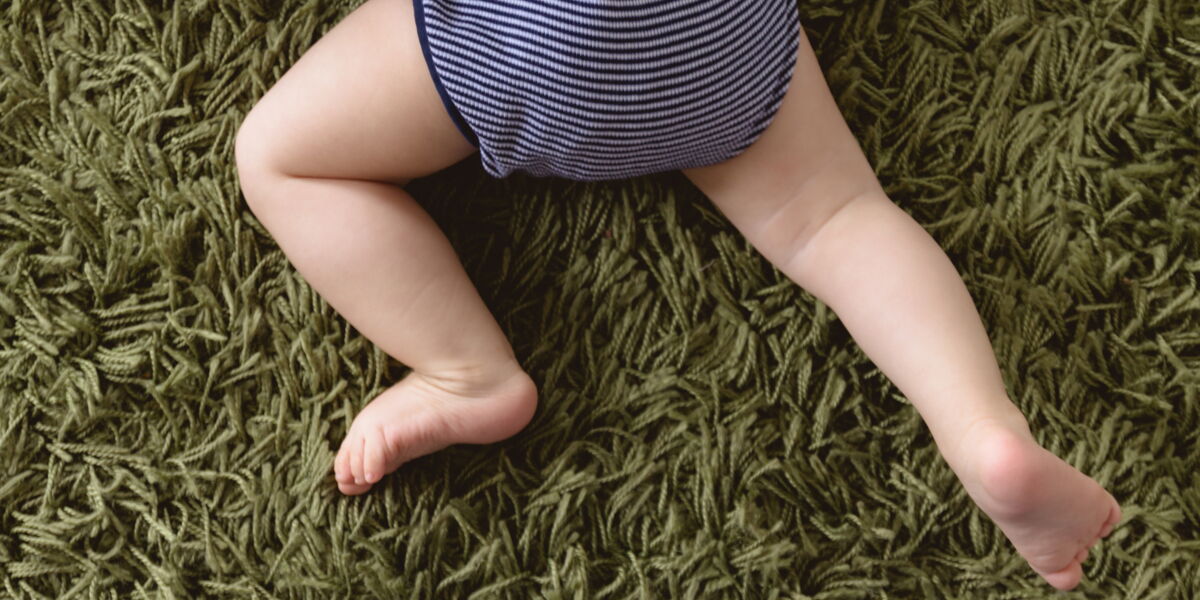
{"x":807,"y":199}
{"x":321,"y":159}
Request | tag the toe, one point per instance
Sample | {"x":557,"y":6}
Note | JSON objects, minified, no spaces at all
{"x":1065,"y":579}
{"x":1081,"y":556}
{"x":341,"y":465}
{"x":353,"y":489}
{"x":1114,"y":516}
{"x":373,"y":456}
{"x":344,"y":473}
{"x":356,"y":459}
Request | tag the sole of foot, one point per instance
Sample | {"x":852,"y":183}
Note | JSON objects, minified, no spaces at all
{"x":420,"y":415}
{"x":1052,"y":513}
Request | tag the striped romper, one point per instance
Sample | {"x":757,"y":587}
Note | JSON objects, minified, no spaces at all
{"x":608,"y":89}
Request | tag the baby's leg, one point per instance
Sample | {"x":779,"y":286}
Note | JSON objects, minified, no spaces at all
{"x":321,"y":159}
{"x":806,"y":197}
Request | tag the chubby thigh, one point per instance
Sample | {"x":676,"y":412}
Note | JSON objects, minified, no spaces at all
{"x":359,"y":104}
{"x":804,"y":167}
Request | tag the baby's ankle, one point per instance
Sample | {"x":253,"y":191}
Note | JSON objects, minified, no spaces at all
{"x":473,"y":379}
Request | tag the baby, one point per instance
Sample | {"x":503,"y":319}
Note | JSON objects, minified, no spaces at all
{"x":594,"y":90}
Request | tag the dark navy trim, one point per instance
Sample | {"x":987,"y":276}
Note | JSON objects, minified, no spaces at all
{"x":459,"y":121}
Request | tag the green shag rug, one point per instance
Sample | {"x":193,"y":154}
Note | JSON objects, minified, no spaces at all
{"x":173,"y":392}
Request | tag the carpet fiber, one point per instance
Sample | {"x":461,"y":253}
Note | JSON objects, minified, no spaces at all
{"x":173,"y":391}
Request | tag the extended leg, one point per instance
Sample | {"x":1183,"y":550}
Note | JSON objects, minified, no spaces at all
{"x":322,"y":158}
{"x":806,"y":197}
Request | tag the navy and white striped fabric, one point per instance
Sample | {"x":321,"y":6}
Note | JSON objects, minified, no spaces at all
{"x":608,"y":89}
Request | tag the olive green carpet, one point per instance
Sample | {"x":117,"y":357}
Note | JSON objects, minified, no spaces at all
{"x":172,"y":392}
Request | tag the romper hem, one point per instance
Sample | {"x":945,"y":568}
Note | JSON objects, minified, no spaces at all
{"x":463,"y":127}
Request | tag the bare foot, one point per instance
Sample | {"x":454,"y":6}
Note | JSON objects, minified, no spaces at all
{"x":1050,"y":511}
{"x":420,"y":415}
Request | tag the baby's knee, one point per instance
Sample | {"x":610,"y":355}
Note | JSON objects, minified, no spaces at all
{"x":255,"y":149}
